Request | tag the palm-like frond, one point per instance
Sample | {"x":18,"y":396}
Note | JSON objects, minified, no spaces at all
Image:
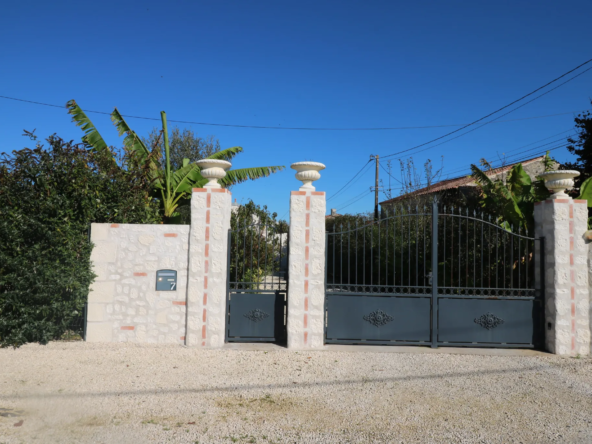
{"x":227,"y":154}
{"x":185,"y":178}
{"x":91,"y":136}
{"x":481,"y":178}
{"x":519,"y":183}
{"x":234,"y":177}
{"x":131,"y":140}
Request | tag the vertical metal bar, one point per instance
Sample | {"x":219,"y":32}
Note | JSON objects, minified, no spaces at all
{"x":386,"y":251}
{"x":423,"y":223}
{"x":482,"y":250}
{"x":526,"y":261}
{"x":371,"y":255}
{"x":496,"y":257}
{"x":341,"y":256}
{"x":244,"y":248}
{"x":445,"y":259}
{"x":356,"y":252}
{"x":227,"y":320}
{"x":334,"y":238}
{"x":348,"y":254}
{"x":251,"y":231}
{"x":326,"y":250}
{"x":401,"y":217}
{"x":364,"y":258}
{"x":258,"y":245}
{"x":505,"y":259}
{"x":474,"y":248}
{"x":452,"y":247}
{"x":408,"y":246}
{"x":459,"y":244}
{"x":519,"y":258}
{"x":395,"y":218}
{"x":434,"y":274}
{"x":416,"y":247}
{"x":512,"y":258}
{"x":379,"y":258}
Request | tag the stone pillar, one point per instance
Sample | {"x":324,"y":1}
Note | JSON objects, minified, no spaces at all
{"x":207,"y":274}
{"x":563,"y":222}
{"x":306,"y":286}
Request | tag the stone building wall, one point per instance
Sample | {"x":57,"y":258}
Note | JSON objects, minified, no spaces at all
{"x":123,"y":304}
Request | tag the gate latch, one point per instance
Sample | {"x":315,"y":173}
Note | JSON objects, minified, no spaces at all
{"x":429,"y":275}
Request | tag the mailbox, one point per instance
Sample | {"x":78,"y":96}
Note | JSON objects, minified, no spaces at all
{"x":166,"y":280}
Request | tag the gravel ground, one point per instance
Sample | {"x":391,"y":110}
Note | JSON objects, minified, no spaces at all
{"x":120,"y":393}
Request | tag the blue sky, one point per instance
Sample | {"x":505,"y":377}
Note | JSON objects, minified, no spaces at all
{"x":301,"y":63}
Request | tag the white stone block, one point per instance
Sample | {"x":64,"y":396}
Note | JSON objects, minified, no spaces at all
{"x":104,"y":252}
{"x":101,"y":292}
{"x":99,"y":332}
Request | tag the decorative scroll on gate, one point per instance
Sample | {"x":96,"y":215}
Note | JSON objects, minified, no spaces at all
{"x":432,"y":276}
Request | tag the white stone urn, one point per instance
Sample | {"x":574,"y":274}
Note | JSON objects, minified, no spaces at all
{"x":557,"y":182}
{"x":307,"y":172}
{"x":213,"y":170}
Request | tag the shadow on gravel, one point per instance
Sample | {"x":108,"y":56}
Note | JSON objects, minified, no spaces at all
{"x":294,"y":384}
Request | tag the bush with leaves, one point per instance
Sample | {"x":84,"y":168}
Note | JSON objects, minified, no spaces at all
{"x":258,"y":245}
{"x":48,"y":198}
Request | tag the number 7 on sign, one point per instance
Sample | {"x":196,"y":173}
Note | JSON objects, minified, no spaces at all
{"x":173,"y":285}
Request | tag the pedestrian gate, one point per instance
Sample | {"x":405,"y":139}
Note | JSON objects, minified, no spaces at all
{"x":257,"y":283}
{"x":433,"y":276}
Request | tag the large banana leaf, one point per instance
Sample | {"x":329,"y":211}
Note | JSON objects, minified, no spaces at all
{"x":185,"y":178}
{"x":234,"y":177}
{"x":586,"y":191}
{"x":91,"y":136}
{"x":519,"y":183}
{"x":226,"y":154}
{"x":131,"y":140}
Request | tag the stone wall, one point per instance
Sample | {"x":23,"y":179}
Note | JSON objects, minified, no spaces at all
{"x":563,"y":222}
{"x":306,"y":290}
{"x":123,"y":304}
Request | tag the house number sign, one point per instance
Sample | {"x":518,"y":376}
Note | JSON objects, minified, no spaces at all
{"x":166,"y":280}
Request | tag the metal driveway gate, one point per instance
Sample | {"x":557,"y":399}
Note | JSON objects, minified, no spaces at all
{"x":432,"y":276}
{"x":257,"y":283}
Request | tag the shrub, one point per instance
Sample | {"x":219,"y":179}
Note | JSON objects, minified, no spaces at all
{"x":48,"y":198}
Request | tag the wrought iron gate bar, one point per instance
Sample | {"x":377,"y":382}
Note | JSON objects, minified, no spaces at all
{"x":467,"y":264}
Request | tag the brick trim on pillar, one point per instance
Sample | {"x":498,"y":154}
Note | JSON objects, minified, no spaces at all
{"x":206,"y":284}
{"x":306,"y":289}
{"x":563,"y":222}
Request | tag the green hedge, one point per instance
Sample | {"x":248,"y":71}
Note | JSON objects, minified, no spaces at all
{"x":48,"y":198}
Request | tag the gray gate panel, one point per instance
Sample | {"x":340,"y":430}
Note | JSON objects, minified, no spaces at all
{"x":372,"y":318}
{"x":255,"y":315}
{"x":502,"y":321}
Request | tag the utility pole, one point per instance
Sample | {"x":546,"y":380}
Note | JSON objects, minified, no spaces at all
{"x":376,"y":188}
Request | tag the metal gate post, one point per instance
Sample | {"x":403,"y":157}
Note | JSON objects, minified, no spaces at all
{"x":435,"y":273}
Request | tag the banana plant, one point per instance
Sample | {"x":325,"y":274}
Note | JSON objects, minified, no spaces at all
{"x":172,"y":188}
{"x":513,"y":200}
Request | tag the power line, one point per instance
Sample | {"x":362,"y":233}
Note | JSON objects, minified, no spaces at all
{"x":340,"y":190}
{"x":511,"y":111}
{"x":295,"y":128}
{"x":495,"y":112}
{"x":355,"y":200}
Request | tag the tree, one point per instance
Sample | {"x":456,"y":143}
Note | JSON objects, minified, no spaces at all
{"x":183,"y":145}
{"x":171,"y":188}
{"x":512,"y":201}
{"x":48,"y":198}
{"x":581,"y":146}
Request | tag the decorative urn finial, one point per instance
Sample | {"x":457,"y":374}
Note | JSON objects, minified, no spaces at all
{"x":307,"y":172}
{"x":213,"y":170}
{"x":557,"y":182}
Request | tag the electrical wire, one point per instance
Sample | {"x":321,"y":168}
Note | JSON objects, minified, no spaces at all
{"x":293,"y":128}
{"x":340,"y":190}
{"x":511,"y":111}
{"x":354,"y":201}
{"x":495,"y":112}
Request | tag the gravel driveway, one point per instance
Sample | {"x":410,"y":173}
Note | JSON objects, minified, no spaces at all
{"x":126,"y":393}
